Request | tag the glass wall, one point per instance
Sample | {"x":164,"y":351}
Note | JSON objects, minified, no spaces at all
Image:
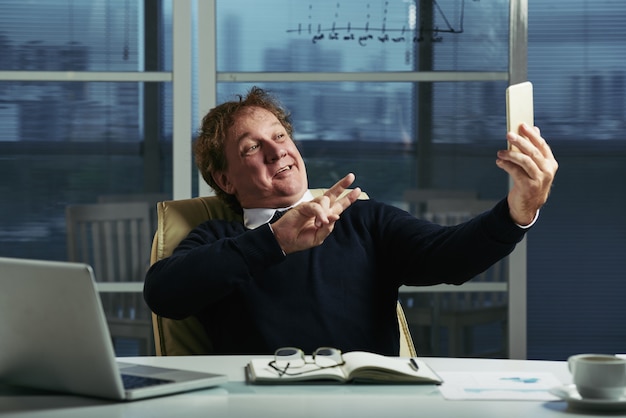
{"x":80,"y":129}
{"x":68,"y":142}
{"x":576,"y":282}
{"x":350,"y":73}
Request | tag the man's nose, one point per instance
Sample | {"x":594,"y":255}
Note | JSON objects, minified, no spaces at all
{"x":275,"y":151}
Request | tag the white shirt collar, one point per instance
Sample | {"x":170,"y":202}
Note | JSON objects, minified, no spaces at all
{"x":253,"y":218}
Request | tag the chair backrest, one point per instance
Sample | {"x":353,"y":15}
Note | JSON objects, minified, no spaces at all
{"x":151,"y":198}
{"x":114,"y":238}
{"x":176,"y":219}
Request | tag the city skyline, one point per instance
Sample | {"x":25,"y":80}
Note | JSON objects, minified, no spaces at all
{"x":79,"y":47}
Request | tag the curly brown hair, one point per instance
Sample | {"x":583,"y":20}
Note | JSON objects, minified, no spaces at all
{"x":209,"y":144}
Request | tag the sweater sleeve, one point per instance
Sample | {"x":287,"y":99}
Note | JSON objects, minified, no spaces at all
{"x":212,"y":261}
{"x":427,"y":254}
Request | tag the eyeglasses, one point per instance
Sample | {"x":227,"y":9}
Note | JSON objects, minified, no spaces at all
{"x":294,"y":358}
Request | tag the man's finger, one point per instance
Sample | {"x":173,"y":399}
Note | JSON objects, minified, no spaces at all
{"x":338,"y":188}
{"x":344,"y":202}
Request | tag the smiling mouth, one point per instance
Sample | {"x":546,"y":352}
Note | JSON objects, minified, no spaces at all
{"x":282,"y":170}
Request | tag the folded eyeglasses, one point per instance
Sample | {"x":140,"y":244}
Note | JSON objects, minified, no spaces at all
{"x":289,"y":358}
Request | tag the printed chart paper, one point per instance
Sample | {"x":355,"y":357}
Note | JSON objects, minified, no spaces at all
{"x":498,"y":386}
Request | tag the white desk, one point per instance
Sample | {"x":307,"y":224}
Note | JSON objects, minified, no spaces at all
{"x":237,"y":399}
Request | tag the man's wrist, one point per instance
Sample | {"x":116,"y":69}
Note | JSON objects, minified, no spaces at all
{"x":272,"y":229}
{"x":531,"y":223}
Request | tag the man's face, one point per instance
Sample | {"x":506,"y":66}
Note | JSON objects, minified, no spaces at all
{"x":265,"y":169}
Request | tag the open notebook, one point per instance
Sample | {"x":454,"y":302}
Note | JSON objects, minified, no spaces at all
{"x":54,"y":335}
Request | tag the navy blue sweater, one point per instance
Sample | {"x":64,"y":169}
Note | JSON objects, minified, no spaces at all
{"x":342,"y":293}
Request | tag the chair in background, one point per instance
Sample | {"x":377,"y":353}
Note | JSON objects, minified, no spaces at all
{"x":151,"y":198}
{"x":114,"y":238}
{"x":176,"y":218}
{"x":460,"y":313}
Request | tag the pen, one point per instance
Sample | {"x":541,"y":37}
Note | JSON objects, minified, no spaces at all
{"x":413,"y":364}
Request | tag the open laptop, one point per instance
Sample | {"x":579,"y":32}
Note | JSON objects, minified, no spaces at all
{"x":54,"y":335}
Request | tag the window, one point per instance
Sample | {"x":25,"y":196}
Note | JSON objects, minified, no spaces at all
{"x":410,"y":106}
{"x":81,"y":125}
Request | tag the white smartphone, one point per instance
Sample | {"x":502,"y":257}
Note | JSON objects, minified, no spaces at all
{"x":519,"y":106}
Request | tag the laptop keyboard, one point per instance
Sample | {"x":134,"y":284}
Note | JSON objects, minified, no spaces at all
{"x":135,"y":382}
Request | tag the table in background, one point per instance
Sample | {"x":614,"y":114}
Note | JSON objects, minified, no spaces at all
{"x":237,"y":399}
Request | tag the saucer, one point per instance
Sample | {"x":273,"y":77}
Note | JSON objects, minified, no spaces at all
{"x":570,"y":394}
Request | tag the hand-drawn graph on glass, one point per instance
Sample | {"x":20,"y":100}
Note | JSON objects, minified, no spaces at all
{"x":389,"y":21}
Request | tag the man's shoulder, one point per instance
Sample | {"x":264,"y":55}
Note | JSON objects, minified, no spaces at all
{"x":364,"y":208}
{"x":222,"y":225}
{"x":372,"y":204}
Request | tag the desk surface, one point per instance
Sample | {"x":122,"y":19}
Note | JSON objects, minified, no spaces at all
{"x":237,"y":399}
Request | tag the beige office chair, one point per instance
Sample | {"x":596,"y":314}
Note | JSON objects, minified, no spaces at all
{"x":176,"y":218}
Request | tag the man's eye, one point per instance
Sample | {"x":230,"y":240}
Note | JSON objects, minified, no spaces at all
{"x":251,"y":148}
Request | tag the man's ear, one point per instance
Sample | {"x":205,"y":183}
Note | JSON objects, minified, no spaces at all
{"x":221,"y":178}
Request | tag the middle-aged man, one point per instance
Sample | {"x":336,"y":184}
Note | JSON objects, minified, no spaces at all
{"x":327,"y":272}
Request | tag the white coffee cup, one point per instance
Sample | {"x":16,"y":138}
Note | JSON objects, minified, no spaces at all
{"x":598,"y":376}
